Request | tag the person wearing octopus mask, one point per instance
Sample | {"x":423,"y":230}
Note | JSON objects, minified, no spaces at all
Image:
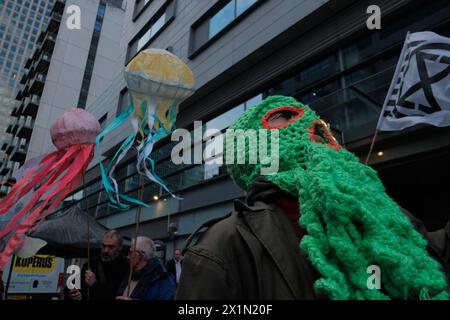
{"x":314,"y":228}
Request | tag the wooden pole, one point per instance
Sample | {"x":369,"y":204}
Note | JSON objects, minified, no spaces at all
{"x":9,"y":276}
{"x":88,"y":234}
{"x":371,"y":146}
{"x":138,"y":220}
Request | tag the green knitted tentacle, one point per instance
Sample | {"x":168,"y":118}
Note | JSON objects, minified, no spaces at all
{"x":351,"y":222}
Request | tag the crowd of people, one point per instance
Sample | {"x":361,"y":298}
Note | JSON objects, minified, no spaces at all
{"x":109,"y":278}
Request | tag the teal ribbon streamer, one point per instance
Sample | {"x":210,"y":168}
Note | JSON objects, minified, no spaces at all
{"x":144,"y":150}
{"x":112,"y":192}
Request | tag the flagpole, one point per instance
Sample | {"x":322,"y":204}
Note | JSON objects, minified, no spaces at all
{"x":88,"y":235}
{"x":136,"y":233}
{"x":9,"y":275}
{"x":389,"y":93}
{"x":371,"y":146}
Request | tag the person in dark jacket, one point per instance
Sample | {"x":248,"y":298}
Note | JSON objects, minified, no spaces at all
{"x":101,"y":281}
{"x":313,"y":227}
{"x":149,"y":280}
{"x":175,"y":265}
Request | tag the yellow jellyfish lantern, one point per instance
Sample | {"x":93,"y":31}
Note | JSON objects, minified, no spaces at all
{"x":158,"y":82}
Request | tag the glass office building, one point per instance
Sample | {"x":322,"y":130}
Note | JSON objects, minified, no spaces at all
{"x":20,"y":24}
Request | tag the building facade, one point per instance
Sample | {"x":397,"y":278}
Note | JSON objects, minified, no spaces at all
{"x":61,"y":73}
{"x":21,"y":21}
{"x":241,"y":51}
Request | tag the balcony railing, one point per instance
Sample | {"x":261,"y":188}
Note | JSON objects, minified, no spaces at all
{"x":13,"y":126}
{"x":3,"y":159}
{"x":58,"y":7}
{"x":31,"y":106}
{"x":25,"y":129}
{"x":43,"y":63}
{"x":49,"y":42}
{"x":9,"y":148}
{"x":55,"y":18}
{"x":6,"y":167}
{"x":37,"y":84}
{"x":11,"y":145}
{"x":20,"y":152}
{"x":14,"y":112}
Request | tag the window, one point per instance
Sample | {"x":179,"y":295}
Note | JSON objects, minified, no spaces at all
{"x":101,"y":11}
{"x":221,"y":19}
{"x":226,"y":119}
{"x":358,"y":51}
{"x":243,"y":5}
{"x":139,"y":7}
{"x":124,"y":101}
{"x":102,"y":121}
{"x":217,"y":20}
{"x":212,"y":167}
{"x":156,"y":24}
{"x":309,"y":75}
{"x":320,"y":92}
{"x":82,"y":99}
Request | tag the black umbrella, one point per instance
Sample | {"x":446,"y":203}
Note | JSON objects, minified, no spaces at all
{"x":66,"y":234}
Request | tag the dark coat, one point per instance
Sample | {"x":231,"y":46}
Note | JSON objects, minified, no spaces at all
{"x":109,"y":275}
{"x":252,"y":254}
{"x":170,"y":266}
{"x":154,"y":283}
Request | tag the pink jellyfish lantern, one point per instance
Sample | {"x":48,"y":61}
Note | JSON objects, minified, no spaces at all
{"x":53,"y":178}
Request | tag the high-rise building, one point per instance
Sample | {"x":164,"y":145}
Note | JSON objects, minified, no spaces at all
{"x":68,"y":68}
{"x":21,"y":21}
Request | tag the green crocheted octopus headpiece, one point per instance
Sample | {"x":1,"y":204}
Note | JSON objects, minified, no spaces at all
{"x":351,"y":222}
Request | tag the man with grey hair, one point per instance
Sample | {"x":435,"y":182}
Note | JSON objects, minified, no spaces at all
{"x":102,"y":280}
{"x":149,"y":280}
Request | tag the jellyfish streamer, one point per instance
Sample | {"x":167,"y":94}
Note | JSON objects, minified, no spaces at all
{"x":52,"y":179}
{"x":158,"y":82}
